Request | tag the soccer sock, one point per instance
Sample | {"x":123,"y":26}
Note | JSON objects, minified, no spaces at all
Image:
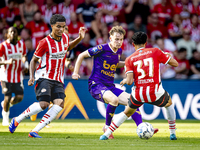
{"x":137,"y":117}
{"x":115,"y":124}
{"x":5,"y":114}
{"x":31,"y":110}
{"x":171,"y":116}
{"x":48,"y":117}
{"x":110,"y":110}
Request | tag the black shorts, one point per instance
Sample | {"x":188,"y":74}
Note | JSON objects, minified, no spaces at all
{"x":48,"y":90}
{"x":9,"y":88}
{"x":161,"y":102}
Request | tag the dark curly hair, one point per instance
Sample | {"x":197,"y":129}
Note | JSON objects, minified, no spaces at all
{"x":57,"y":18}
{"x":139,"y":38}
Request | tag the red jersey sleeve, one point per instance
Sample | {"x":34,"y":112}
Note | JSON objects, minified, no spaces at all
{"x":162,"y":57}
{"x":128,"y":65}
{"x":2,"y":50}
{"x":41,"y":48}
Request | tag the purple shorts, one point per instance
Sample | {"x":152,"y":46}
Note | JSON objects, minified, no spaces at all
{"x":98,"y":89}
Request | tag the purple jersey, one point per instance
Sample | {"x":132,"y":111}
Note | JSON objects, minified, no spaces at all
{"x":104,"y":63}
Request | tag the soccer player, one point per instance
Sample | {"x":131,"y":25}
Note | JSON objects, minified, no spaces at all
{"x":101,"y":81}
{"x":12,"y":53}
{"x":142,"y":67}
{"x":49,"y":74}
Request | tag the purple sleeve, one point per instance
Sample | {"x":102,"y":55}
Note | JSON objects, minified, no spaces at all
{"x":95,"y":50}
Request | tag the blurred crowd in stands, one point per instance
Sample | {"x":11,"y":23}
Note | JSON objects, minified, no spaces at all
{"x":171,"y":25}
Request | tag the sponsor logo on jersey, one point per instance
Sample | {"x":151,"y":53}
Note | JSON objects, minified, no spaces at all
{"x":43,"y":90}
{"x":58,"y":55}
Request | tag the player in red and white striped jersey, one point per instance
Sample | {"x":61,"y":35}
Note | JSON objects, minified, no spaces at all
{"x":52,"y":51}
{"x":11,"y":52}
{"x":143,"y":68}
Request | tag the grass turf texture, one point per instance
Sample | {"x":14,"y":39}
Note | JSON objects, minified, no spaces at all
{"x":84,"y":134}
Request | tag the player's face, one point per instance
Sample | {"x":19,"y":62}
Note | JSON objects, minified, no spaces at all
{"x":12,"y":34}
{"x":58,"y":29}
{"x":116,"y":40}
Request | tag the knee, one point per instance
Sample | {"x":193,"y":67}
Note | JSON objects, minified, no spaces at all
{"x":114,"y":101}
{"x":44,"y":105}
{"x":62,"y":104}
{"x":19,"y":98}
{"x":168,"y":104}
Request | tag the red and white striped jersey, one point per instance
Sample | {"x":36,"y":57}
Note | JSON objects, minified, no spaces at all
{"x":145,"y":66}
{"x":12,"y":73}
{"x":52,"y":54}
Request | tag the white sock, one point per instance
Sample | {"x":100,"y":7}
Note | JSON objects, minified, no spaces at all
{"x":5,"y":114}
{"x":115,"y":124}
{"x":171,"y":116}
{"x":31,"y":110}
{"x":48,"y":117}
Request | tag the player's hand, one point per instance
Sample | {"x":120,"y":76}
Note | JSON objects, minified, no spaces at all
{"x":123,"y":82}
{"x":10,"y":61}
{"x":31,"y":81}
{"x":75,"y":76}
{"x":82,"y":31}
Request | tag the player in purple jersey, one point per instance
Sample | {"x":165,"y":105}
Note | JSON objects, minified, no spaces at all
{"x":106,"y":58}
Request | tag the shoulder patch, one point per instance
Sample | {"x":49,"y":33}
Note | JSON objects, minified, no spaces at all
{"x":94,"y":50}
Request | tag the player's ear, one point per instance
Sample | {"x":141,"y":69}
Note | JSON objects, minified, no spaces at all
{"x":145,"y":44}
{"x":133,"y":44}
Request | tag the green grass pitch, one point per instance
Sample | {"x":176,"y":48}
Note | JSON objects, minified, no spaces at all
{"x":84,"y":135}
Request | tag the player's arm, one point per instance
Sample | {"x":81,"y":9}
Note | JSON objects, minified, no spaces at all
{"x":172,"y":61}
{"x":79,"y":60}
{"x":6,"y":62}
{"x":33,"y":65}
{"x":121,"y":64}
{"x":128,"y":80}
{"x":73,"y":43}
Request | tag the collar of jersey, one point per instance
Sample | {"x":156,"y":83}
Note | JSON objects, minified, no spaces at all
{"x":139,"y":48}
{"x":55,"y":39}
{"x":112,"y":49}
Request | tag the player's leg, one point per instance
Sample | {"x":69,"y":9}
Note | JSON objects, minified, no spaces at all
{"x":112,"y":101}
{"x":7,"y":91}
{"x":171,"y":116}
{"x":165,"y":101}
{"x":18,"y":89}
{"x":31,"y":110}
{"x":35,"y":107}
{"x":5,"y":110}
{"x":57,"y":97}
{"x":48,"y":117}
{"x":118,"y":121}
{"x":16,"y":99}
{"x":106,"y":96}
{"x":123,"y":99}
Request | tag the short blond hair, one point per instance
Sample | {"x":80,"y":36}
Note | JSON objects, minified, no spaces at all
{"x":117,"y":29}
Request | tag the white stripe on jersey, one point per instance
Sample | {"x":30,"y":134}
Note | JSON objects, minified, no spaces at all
{"x":13,"y":65}
{"x":57,"y":61}
{"x":50,"y":51}
{"x":141,"y":96}
{"x":156,"y":88}
{"x":147,"y":93}
{"x":60,"y":69}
